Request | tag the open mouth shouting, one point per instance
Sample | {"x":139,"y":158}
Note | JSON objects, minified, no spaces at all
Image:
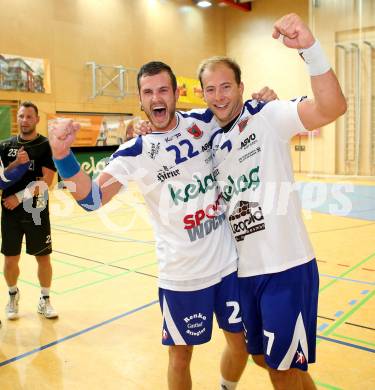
{"x":159,"y":112}
{"x":160,"y":116}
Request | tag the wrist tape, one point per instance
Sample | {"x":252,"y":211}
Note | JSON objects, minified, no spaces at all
{"x":316,"y":60}
{"x":67,"y":166}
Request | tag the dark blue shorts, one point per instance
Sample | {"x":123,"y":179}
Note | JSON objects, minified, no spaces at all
{"x":188,"y":315}
{"x":279,"y":312}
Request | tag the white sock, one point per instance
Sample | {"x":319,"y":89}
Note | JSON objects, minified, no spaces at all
{"x":45,"y":291}
{"x":13,"y":289}
{"x":227,"y":385}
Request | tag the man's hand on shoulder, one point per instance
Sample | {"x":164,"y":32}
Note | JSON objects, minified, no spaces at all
{"x":142,"y":127}
{"x":266,"y":94}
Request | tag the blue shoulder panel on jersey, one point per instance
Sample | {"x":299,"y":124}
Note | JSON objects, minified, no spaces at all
{"x":205,"y":116}
{"x":254,"y":108}
{"x":131,"y":151}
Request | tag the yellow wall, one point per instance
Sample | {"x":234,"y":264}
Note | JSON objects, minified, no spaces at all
{"x":343,"y":22}
{"x":263,"y":60}
{"x":70,"y":33}
{"x":112,"y":32}
{"x":266,"y":61}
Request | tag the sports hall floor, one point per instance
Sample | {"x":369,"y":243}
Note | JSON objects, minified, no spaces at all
{"x":109,"y":330}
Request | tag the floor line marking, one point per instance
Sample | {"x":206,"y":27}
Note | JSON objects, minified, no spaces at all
{"x":330,"y":387}
{"x":102,"y":236}
{"x":76,"y":334}
{"x":348,"y":314}
{"x":347,"y":279}
{"x":353,"y":339}
{"x":347,"y":272}
{"x":126,"y":272}
{"x":372,"y":350}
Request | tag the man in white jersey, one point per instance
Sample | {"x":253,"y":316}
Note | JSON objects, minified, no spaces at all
{"x":277,"y":270}
{"x":196,"y":253}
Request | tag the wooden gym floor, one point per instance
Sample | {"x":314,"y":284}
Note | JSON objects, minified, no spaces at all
{"x":109,"y":330}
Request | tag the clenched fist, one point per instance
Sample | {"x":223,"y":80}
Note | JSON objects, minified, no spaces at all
{"x":61,"y":135}
{"x":296,"y":33}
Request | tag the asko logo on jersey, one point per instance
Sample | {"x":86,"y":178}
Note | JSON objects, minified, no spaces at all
{"x":249,"y":141}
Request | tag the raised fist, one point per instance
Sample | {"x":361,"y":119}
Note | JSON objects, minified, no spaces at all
{"x":61,"y":135}
{"x":295,"y":32}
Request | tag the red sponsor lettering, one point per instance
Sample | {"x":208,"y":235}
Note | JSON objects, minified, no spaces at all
{"x":211,"y":211}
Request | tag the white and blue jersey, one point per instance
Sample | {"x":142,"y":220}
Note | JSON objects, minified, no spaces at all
{"x":277,"y":271}
{"x":253,"y":167}
{"x":173,"y":170}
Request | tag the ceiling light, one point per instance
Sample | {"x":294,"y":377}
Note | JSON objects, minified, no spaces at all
{"x":204,"y":3}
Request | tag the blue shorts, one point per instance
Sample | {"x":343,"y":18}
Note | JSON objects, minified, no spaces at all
{"x":188,"y":315}
{"x":279,"y":312}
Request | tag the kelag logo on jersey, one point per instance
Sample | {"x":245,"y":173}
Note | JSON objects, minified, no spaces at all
{"x":246,"y":219}
{"x":192,"y":190}
{"x":166,"y":173}
{"x":195,"y":131}
{"x":249,"y":180}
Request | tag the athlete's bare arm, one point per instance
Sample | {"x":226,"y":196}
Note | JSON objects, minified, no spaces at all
{"x":329,"y":102}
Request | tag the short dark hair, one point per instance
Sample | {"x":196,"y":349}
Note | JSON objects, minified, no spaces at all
{"x":212,"y":61}
{"x":153,"y":68}
{"x":28,"y":104}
